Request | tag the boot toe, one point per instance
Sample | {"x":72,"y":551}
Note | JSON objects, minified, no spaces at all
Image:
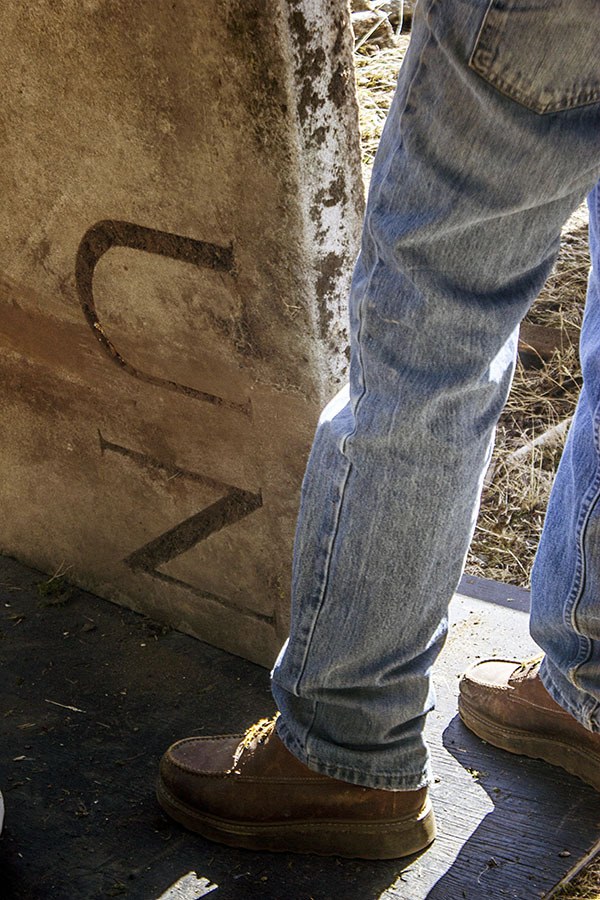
{"x":193,"y":763}
{"x":203,"y":755}
{"x":490,"y":673}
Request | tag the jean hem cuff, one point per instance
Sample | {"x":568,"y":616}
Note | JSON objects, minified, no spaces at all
{"x":382,"y":781}
{"x":587,"y":715}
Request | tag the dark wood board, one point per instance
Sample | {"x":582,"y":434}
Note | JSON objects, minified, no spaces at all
{"x":93,"y":693}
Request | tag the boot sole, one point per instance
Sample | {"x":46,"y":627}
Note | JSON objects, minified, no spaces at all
{"x":574,"y":760}
{"x":363,"y":840}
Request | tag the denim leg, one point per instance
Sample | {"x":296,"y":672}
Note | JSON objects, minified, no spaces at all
{"x":469,"y":192}
{"x":565,"y":609}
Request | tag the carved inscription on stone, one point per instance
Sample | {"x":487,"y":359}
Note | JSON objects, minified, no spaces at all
{"x":235,"y":502}
{"x":103,"y":236}
{"x":234,"y":505}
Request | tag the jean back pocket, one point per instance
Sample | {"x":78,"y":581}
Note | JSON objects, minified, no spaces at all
{"x":545,"y":54}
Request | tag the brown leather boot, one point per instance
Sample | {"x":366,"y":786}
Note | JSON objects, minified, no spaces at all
{"x":250,"y":791}
{"x":506,"y":704}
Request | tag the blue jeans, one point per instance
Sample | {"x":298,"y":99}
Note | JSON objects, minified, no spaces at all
{"x":492,"y":141}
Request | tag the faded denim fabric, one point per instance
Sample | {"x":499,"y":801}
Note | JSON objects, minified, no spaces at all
{"x":565,"y":611}
{"x":492,"y":141}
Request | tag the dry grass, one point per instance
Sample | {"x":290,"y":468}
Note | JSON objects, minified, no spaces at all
{"x":514,"y":502}
{"x":376,"y":74}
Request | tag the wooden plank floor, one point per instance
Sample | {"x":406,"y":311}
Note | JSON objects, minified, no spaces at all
{"x":92,"y":694}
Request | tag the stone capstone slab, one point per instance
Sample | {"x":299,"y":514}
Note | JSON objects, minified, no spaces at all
{"x":181,"y":202}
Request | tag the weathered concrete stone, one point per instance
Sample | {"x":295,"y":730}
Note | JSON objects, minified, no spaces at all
{"x":181,"y":200}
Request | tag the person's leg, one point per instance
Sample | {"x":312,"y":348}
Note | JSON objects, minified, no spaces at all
{"x":565,"y":590}
{"x":469,"y":192}
{"x":550,"y":708}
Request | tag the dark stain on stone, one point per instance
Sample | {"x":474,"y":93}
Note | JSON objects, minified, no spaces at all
{"x":299,"y":27}
{"x":330,"y":269}
{"x":342,"y":29}
{"x":239,"y":331}
{"x":327,"y":197}
{"x":250,"y":28}
{"x":41,"y":252}
{"x":336,"y":191}
{"x":318,"y":136}
{"x":41,"y":390}
{"x":308,"y":102}
{"x":338,"y":86}
{"x":311,"y":65}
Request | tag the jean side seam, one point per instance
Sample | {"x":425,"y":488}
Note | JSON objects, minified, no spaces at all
{"x":325,"y":582}
{"x":586,"y":642}
{"x":591,"y":709}
{"x":594,"y":717}
{"x":572,"y":602}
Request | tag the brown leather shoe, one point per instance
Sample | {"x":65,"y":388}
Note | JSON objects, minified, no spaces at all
{"x":250,"y":791}
{"x":506,"y":704}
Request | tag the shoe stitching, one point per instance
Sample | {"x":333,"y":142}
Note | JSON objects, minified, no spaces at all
{"x":209,"y":737}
